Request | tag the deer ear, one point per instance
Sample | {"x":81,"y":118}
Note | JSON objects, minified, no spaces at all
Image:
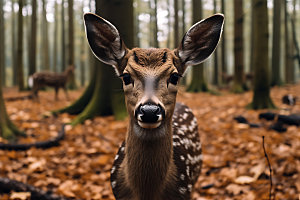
{"x":200,"y":40}
{"x":104,"y":40}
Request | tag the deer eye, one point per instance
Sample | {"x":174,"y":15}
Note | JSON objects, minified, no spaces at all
{"x":126,"y":78}
{"x":174,"y":78}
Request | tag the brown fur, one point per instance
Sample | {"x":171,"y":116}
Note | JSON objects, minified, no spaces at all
{"x":50,"y":79}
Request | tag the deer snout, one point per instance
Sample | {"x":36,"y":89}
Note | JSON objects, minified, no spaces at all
{"x":149,"y":115}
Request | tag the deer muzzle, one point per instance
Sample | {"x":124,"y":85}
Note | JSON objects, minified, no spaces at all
{"x":149,"y":115}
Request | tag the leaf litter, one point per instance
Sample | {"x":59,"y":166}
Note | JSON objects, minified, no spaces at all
{"x":234,"y":166}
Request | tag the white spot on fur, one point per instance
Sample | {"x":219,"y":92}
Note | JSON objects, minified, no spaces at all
{"x":113,"y":184}
{"x":182,"y":176}
{"x":182,"y":190}
{"x":113,"y":169}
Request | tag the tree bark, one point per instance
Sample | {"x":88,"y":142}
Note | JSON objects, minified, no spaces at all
{"x":276,"y":79}
{"x":72,"y":83}
{"x":289,"y":68}
{"x":2,"y":46}
{"x":63,"y":42}
{"x":216,"y":66}
{"x":223,"y":45}
{"x":155,"y":31}
{"x":33,"y":38}
{"x":55,"y":40}
{"x":261,"y":97}
{"x":239,"y":77}
{"x":198,"y":83}
{"x":20,"y":77}
{"x":13,"y":44}
{"x":176,"y":26}
{"x":45,"y":39}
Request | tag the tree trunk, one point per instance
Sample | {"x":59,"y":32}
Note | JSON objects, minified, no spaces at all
{"x":45,"y":39}
{"x":72,"y":84}
{"x":261,"y":96}
{"x":198,"y":82}
{"x":223,"y":45}
{"x":289,"y":68}
{"x":295,"y":42}
{"x":183,"y":17}
{"x":55,"y":38}
{"x":176,"y":26}
{"x":82,"y":52}
{"x":155,"y":31}
{"x":252,"y":39}
{"x":216,"y":66}
{"x":276,"y":79}
{"x":2,"y":46}
{"x":105,"y":97}
{"x":13,"y":44}
{"x":169,"y":26}
{"x":137,"y":24}
{"x":20,"y":77}
{"x":239,"y":77}
{"x":33,"y":38}
{"x":63,"y":42}
{"x":7,"y":128}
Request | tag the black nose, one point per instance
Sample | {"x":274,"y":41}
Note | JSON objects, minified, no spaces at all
{"x":149,"y":113}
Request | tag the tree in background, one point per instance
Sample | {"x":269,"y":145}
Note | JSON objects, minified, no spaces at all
{"x":2,"y":46}
{"x":288,"y":61}
{"x":223,"y":45}
{"x":45,"y":39}
{"x":276,"y":79}
{"x":7,"y":129}
{"x":104,"y":94}
{"x":261,"y":97}
{"x":19,"y":56}
{"x":293,"y":28}
{"x":176,"y":24}
{"x":216,"y":65}
{"x":239,"y":77}
{"x":33,"y":39}
{"x":63,"y":40}
{"x":13,"y":44}
{"x":71,"y":58}
{"x":198,"y":82}
{"x":155,"y":30}
{"x":55,"y":39}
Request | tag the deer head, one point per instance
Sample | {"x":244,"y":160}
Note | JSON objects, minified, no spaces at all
{"x":150,"y":76}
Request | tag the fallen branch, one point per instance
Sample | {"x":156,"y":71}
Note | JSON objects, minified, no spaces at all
{"x":266,"y":155}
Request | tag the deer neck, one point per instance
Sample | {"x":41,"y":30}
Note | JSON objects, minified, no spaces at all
{"x":149,"y":164}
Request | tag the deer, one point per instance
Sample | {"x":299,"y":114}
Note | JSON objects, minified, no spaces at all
{"x":161,"y":156}
{"x":50,"y":79}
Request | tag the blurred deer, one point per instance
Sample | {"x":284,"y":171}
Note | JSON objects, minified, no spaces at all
{"x":161,"y":156}
{"x":50,"y":79}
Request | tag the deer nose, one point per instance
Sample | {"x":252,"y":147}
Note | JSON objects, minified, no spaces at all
{"x":149,"y":113}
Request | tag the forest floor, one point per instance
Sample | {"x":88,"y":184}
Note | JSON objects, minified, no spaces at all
{"x":234,"y":166}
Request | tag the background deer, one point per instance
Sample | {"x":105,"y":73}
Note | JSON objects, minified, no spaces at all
{"x":51,"y":79}
{"x":161,"y":156}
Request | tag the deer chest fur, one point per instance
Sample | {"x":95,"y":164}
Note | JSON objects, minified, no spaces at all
{"x":186,"y":158}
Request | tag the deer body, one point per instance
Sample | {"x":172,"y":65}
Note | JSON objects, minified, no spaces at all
{"x":50,"y":79}
{"x":161,"y":156}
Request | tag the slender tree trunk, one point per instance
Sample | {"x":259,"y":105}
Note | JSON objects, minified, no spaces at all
{"x":176,"y":26}
{"x":223,"y":45}
{"x":216,"y":65}
{"x":13,"y":44}
{"x":289,"y":68}
{"x":169,"y":26}
{"x":155,"y":31}
{"x":33,"y":39}
{"x":20,"y":48}
{"x":252,"y":39}
{"x":45,"y":39}
{"x":261,"y":96}
{"x":2,"y":46}
{"x":63,"y":42}
{"x":239,"y":77}
{"x":276,"y":43}
{"x":71,"y":62}
{"x":7,"y":128}
{"x":294,"y":33}
{"x":137,"y":24}
{"x":55,"y":38}
{"x":198,"y":82}
{"x":82,"y":52}
{"x":183,"y":17}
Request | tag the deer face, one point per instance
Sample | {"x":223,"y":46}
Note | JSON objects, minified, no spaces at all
{"x":150,"y":76}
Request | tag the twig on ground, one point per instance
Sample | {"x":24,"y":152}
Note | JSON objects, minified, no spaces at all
{"x":266,"y":155}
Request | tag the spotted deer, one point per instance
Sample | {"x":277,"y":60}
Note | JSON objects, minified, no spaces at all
{"x":160,"y":158}
{"x":50,"y":79}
